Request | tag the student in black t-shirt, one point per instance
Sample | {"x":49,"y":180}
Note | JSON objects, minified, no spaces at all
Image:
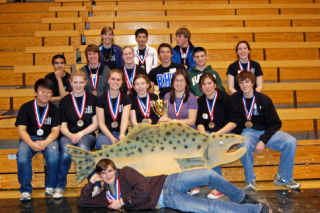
{"x":113,"y":109}
{"x":216,"y":114}
{"x":38,"y":127}
{"x":96,"y":72}
{"x":79,"y":121}
{"x":60,"y":78}
{"x":141,"y":108}
{"x":244,"y":63}
{"x":130,"y":69}
{"x":162,"y":74}
{"x":110,"y":53}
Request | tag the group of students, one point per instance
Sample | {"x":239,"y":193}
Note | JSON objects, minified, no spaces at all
{"x":116,"y":86}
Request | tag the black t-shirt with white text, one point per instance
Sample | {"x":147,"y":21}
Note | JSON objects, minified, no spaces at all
{"x":140,"y":70}
{"x":65,"y":82}
{"x":135,"y":106}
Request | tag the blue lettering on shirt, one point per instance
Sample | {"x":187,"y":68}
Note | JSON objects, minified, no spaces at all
{"x":164,"y":80}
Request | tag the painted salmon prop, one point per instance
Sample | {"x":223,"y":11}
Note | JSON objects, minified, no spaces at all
{"x":161,"y":149}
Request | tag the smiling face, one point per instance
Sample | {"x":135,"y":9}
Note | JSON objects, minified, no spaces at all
{"x":165,"y":55}
{"x":107,"y":38}
{"x":78,"y":84}
{"x":246,"y":86}
{"x":115,"y":81}
{"x":59,"y":64}
{"x":108,"y":175}
{"x":142,"y":39}
{"x":93,"y":57}
{"x":141,"y":86}
{"x":243,"y":51}
{"x":200,"y":58}
{"x":128,"y":55}
{"x":208,"y":87}
{"x":179,"y":83}
{"x":43,"y":95}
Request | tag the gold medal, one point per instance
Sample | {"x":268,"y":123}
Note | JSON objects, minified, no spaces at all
{"x":114,"y":124}
{"x":145,"y":120}
{"x":211,"y":125}
{"x":248,"y":124}
{"x":80,"y":123}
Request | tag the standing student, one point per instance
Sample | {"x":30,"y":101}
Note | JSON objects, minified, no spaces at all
{"x":113,"y":110}
{"x":38,"y":128}
{"x":244,"y":64}
{"x":79,"y":121}
{"x":260,"y":126}
{"x":96,"y":72}
{"x":110,"y":53}
{"x":182,"y":105}
{"x":60,"y":78}
{"x":200,"y":57}
{"x":183,"y":52}
{"x":145,"y":56}
{"x":141,"y":107}
{"x":162,"y":74}
{"x":216,"y":115}
{"x":130,"y":69}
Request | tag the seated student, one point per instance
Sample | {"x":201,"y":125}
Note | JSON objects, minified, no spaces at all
{"x":183,"y":52}
{"x":141,"y":106}
{"x":110,"y":53}
{"x":244,"y":63}
{"x":113,"y":110}
{"x":128,"y":189}
{"x":38,"y":128}
{"x":145,"y":56}
{"x":200,"y":57}
{"x":96,"y":72}
{"x":60,"y":78}
{"x":78,"y":123}
{"x":182,"y":105}
{"x":162,"y":74}
{"x":260,"y":125}
{"x":216,"y":115}
{"x":130,"y":69}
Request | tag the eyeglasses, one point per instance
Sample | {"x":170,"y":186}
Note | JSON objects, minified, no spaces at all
{"x":57,"y":63}
{"x":42,"y":92}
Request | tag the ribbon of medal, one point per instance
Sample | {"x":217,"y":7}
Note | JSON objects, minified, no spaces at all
{"x":117,"y":194}
{"x":248,"y":114}
{"x":114,"y":110}
{"x":94,"y":78}
{"x":40,"y":120}
{"x":80,"y":112}
{"x":211,"y":106}
{"x":184,"y":55}
{"x":129,"y":81}
{"x":142,"y":59}
{"x":241,"y":66}
{"x":177,"y":107}
{"x":144,"y":107}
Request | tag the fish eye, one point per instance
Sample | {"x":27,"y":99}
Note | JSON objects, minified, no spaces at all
{"x":221,"y":143}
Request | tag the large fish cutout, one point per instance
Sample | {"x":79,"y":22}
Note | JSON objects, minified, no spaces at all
{"x":161,"y":149}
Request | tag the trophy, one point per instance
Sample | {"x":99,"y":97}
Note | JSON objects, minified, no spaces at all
{"x":159,"y":106}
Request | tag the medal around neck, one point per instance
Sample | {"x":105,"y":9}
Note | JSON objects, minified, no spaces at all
{"x":40,"y":120}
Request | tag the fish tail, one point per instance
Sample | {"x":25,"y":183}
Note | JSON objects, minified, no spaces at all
{"x":84,"y":162}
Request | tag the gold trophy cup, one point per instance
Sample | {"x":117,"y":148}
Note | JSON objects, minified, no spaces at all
{"x":159,"y":106}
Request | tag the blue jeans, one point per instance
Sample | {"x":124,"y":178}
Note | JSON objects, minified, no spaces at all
{"x":280,"y":142}
{"x":175,"y":196}
{"x":24,"y":161}
{"x":104,"y":140}
{"x":86,"y":142}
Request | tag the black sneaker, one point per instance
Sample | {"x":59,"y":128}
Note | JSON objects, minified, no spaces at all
{"x":248,"y":199}
{"x":264,"y":208}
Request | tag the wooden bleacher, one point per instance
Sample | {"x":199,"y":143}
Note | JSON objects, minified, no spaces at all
{"x":284,"y":38}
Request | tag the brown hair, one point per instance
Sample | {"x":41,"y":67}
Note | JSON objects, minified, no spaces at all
{"x":164,"y":45}
{"x":115,"y":71}
{"x":185,"y":32}
{"x":242,"y":42}
{"x":246,"y":75}
{"x":107,"y":29}
{"x":78,"y":73}
{"x":144,"y":76}
{"x":92,"y":48}
{"x":207,"y":75}
{"x":103,"y":164}
{"x":185,"y":76}
{"x":125,"y":47}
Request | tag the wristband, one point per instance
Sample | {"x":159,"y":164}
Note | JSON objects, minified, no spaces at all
{"x":80,"y":133}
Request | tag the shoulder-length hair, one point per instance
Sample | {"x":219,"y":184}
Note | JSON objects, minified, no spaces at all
{"x":172,"y":91}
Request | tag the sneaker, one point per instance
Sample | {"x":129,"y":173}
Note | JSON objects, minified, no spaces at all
{"x":49,"y":191}
{"x":58,"y":193}
{"x":25,"y":196}
{"x":264,"y":208}
{"x":214,"y":194}
{"x":194,"y":191}
{"x":251,"y":186}
{"x":248,"y":199}
{"x":96,"y":191}
{"x":289,"y":184}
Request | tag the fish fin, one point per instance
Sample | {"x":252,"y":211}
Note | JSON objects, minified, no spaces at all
{"x":186,"y":163}
{"x":84,"y":162}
